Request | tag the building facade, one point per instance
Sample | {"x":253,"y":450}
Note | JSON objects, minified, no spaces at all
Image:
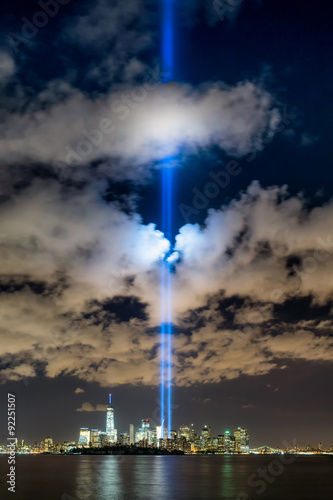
{"x":111,"y":432}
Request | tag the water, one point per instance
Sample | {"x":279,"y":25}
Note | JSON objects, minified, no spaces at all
{"x":168,"y":477}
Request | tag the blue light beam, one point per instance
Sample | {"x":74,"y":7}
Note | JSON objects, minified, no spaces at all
{"x":168,"y":40}
{"x":166,"y":272}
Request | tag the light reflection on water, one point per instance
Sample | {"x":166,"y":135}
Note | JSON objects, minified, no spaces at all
{"x":102,"y":477}
{"x":165,"y":477}
{"x":227,"y":487}
{"x":184,"y":477}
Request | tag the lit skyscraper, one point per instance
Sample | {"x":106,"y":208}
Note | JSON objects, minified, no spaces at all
{"x":124,"y":438}
{"x":145,"y":426}
{"x":227,"y":445}
{"x":206,"y":432}
{"x":94,"y":437}
{"x":48,"y":444}
{"x":111,"y":432}
{"x":131,"y":434}
{"x":102,"y":439}
{"x":84,"y":438}
{"x":237,"y":434}
{"x":158,"y":434}
{"x":143,"y":431}
{"x":151,"y":437}
{"x":192,"y":433}
{"x":242,"y":440}
{"x":173,"y":434}
{"x":184,"y":431}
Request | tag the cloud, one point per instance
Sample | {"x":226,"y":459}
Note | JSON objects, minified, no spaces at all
{"x":115,"y":36}
{"x":131,"y":26}
{"x":308,"y":139}
{"x":80,"y":283}
{"x":78,"y":390}
{"x":89,"y":407}
{"x":139,"y":126}
{"x":244,"y":247}
{"x":252,"y":288}
{"x":306,"y":344}
{"x":203,"y":401}
{"x":104,"y":23}
{"x":215,"y":10}
{"x":7,"y":67}
{"x":275,"y":389}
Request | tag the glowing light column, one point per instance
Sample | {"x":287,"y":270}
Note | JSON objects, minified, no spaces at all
{"x":166,"y":290}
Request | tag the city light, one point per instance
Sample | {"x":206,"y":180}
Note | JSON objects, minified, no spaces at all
{"x":147,"y":438}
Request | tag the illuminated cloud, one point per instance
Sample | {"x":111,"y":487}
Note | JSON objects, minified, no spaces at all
{"x":89,"y":407}
{"x":78,"y":390}
{"x":80,"y":284}
{"x":7,"y":67}
{"x":245,"y":247}
{"x":80,"y":292}
{"x":129,"y":130}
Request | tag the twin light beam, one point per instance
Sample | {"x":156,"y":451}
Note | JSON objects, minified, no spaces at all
{"x":166,"y":271}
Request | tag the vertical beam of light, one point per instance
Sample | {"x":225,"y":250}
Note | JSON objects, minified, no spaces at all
{"x":166,"y":301}
{"x":168,"y":40}
{"x":166,"y":285}
{"x":162,"y":334}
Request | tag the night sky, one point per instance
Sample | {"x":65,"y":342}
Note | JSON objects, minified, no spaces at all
{"x":85,"y":127}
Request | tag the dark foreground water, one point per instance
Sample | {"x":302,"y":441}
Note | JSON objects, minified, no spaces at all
{"x":169,"y":477}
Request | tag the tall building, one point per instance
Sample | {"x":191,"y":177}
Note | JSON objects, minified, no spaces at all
{"x":84,"y":438}
{"x":184,"y":431}
{"x":227,"y":442}
{"x":242,"y":440}
{"x":158,"y":435}
{"x":48,"y":444}
{"x":192,"y":433}
{"x":152,"y":437}
{"x":145,"y":426}
{"x":124,"y":438}
{"x":102,"y":439}
{"x":131,"y":434}
{"x":111,"y":432}
{"x":206,"y":432}
{"x":94,"y":438}
{"x":237,"y":435}
{"x":143,"y":431}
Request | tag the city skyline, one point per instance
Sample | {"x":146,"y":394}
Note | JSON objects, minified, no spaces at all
{"x":153,"y":435}
{"x":226,"y":409}
{"x":137,"y":432}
